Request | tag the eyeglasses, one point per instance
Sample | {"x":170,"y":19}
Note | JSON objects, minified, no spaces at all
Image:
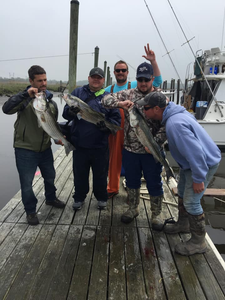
{"x":144,"y":79}
{"x":147,"y":108}
{"x":122,"y":70}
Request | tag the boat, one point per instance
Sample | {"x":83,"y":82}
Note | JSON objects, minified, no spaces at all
{"x":206,"y":96}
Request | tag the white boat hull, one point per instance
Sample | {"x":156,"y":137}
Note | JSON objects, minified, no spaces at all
{"x":216,"y":131}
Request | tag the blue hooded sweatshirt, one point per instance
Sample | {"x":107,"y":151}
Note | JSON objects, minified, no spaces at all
{"x":189,"y":143}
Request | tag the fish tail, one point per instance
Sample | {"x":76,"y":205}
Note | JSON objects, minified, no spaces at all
{"x":169,"y":173}
{"x":68,"y":147}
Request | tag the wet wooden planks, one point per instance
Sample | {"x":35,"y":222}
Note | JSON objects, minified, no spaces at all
{"x":90,"y":254}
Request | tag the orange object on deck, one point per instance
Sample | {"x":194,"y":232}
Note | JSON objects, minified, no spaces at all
{"x":115,"y":157}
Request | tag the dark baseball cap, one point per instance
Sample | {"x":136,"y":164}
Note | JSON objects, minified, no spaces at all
{"x":97,"y":71}
{"x":144,"y":70}
{"x":153,"y":99}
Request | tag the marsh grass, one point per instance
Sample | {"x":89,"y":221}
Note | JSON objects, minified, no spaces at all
{"x":11,"y":88}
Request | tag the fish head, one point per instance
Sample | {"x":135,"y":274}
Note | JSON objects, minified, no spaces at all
{"x":39,"y":102}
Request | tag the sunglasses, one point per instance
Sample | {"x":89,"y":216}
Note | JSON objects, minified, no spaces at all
{"x":144,"y":79}
{"x":122,"y":70}
{"x":147,"y":108}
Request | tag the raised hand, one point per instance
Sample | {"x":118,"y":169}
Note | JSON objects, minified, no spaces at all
{"x":150,"y":55}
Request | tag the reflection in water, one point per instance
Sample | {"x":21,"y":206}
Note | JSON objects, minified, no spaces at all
{"x":9,"y":184}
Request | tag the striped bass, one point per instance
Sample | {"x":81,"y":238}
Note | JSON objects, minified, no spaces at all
{"x":146,"y":138}
{"x":87,"y":113}
{"x":47,"y":121}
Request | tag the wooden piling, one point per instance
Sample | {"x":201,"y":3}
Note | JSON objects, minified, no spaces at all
{"x":74,"y":13}
{"x":96,"y":56}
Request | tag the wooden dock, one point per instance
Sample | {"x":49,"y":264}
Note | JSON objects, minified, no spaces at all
{"x":90,"y":254}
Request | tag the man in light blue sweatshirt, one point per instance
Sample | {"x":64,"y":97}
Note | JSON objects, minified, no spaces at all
{"x":198,"y":158}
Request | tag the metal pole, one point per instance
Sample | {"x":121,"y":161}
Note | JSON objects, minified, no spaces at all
{"x":74,"y":14}
{"x":178,"y":91}
{"x":96,"y":56}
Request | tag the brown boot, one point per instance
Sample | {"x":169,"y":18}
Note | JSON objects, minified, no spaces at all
{"x":182,"y":225}
{"x":133,"y":211}
{"x":197,"y":243}
{"x":156,"y":208}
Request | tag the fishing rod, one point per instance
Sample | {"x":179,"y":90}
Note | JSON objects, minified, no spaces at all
{"x":167,"y":52}
{"x":188,"y":42}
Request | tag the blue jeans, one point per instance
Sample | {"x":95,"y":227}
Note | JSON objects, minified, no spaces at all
{"x":27,"y":162}
{"x":191,"y":200}
{"x":134,"y":164}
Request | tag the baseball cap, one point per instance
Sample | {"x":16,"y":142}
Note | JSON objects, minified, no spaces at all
{"x":97,"y":71}
{"x":144,"y":70}
{"x":153,"y":99}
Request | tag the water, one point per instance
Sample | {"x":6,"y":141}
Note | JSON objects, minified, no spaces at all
{"x":9,"y":183}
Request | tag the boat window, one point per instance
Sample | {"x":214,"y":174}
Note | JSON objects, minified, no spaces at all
{"x":201,"y":92}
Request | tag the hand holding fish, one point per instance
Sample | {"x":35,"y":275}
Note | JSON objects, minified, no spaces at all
{"x":150,"y":55}
{"x":147,"y":150}
{"x":32,"y":92}
{"x":59,"y":142}
{"x":125,"y":104}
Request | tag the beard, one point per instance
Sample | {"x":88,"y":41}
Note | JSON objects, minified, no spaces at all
{"x":121,"y":80}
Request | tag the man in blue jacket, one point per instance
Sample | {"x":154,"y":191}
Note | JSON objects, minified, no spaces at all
{"x":198,"y":157}
{"x":91,"y":141}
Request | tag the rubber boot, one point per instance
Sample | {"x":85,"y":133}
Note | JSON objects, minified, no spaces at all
{"x":133,"y":211}
{"x":156,"y":208}
{"x":182,"y":224}
{"x":197,"y":243}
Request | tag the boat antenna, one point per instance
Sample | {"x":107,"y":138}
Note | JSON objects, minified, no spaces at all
{"x":167,"y":52}
{"x":223,"y":31}
{"x":188,"y":42}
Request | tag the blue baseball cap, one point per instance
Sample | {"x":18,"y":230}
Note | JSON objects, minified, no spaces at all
{"x":144,"y":70}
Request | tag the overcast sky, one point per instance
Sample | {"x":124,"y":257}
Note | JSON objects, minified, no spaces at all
{"x":120,"y":28}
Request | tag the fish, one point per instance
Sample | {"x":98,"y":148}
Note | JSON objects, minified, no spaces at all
{"x":146,"y":138}
{"x":47,"y":121}
{"x":87,"y":113}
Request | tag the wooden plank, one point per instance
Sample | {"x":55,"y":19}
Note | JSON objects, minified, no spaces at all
{"x":63,"y":191}
{"x":99,"y":274}
{"x":16,"y":259}
{"x":81,"y":215}
{"x":82,"y":270}
{"x":68,"y":212}
{"x":206,"y":278}
{"x":105,"y":218}
{"x":186,"y":271}
{"x":25,"y":277}
{"x":216,"y":264}
{"x":173,"y":285}
{"x":152,"y":275}
{"x":60,"y":283}
{"x":43,"y":278}
{"x":10,"y":242}
{"x":5,"y":228}
{"x":93,"y":212}
{"x":117,"y":280}
{"x":134,"y":272}
{"x":208,"y":192}
{"x":142,"y":219}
